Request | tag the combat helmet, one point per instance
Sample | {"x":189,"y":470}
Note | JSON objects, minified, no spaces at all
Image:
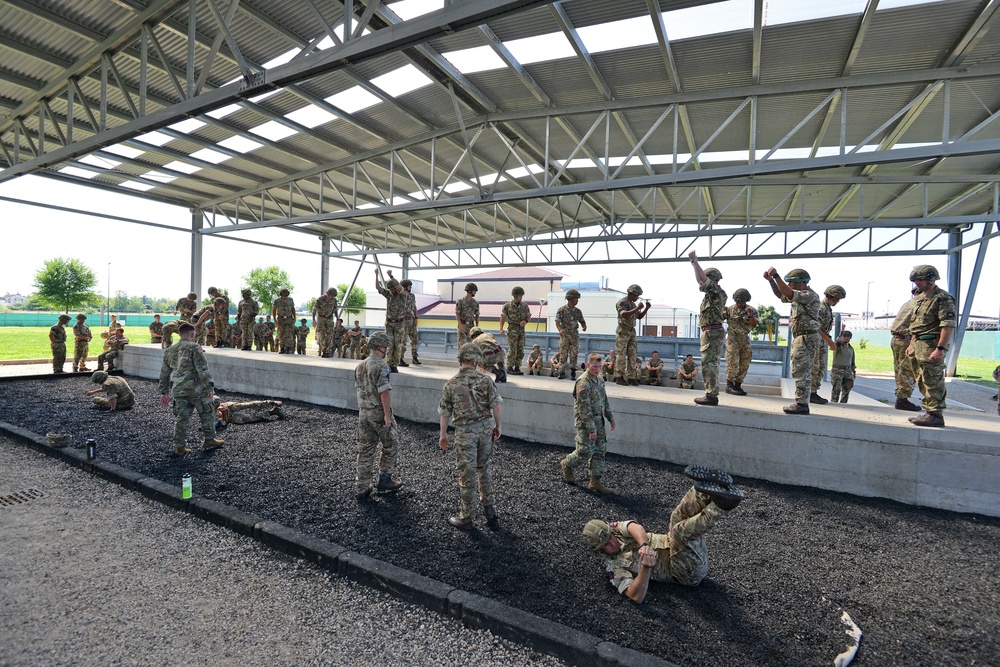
{"x":713,"y":273}
{"x":635,"y":289}
{"x":392,"y":284}
{"x":475,"y":331}
{"x":596,"y":534}
{"x":797,"y":276}
{"x":331,"y":291}
{"x":283,"y":292}
{"x":469,"y":353}
{"x":247,"y":292}
{"x":471,"y":287}
{"x":192,"y":295}
{"x":212,"y":290}
{"x":517,"y":291}
{"x":742,"y":295}
{"x":81,"y":317}
{"x":572,"y":294}
{"x":924,"y":272}
{"x":379,"y":339}
{"x":406,"y":282}
{"x":64,"y":318}
{"x":835,"y":292}
{"x":99,"y":377}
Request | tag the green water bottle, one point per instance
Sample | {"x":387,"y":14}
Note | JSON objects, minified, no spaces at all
{"x":186,"y":486}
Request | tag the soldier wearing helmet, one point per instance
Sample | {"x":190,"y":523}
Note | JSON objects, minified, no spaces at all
{"x":629,"y":313}
{"x":516,"y":314}
{"x":246,"y":314}
{"x":493,"y":354}
{"x":81,"y":343}
{"x":831,"y":297}
{"x":471,"y":401}
{"x":467,"y":313}
{"x":713,"y":336}
{"x":411,"y":321}
{"x":591,"y":411}
{"x":632,"y":557}
{"x":569,"y":319}
{"x":220,"y":315}
{"x":804,"y":322}
{"x":323,"y":312}
{"x":185,"y":306}
{"x":119,"y":394}
{"x":395,"y":319}
{"x":931,"y":328}
{"x":283,"y":311}
{"x":742,"y":318}
{"x":57,"y":339}
{"x":376,"y":425}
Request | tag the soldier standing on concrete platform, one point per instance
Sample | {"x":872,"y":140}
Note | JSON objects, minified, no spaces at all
{"x":467,"y":313}
{"x":156,"y":330}
{"x":338,"y":335}
{"x":184,"y":376}
{"x":395,"y":320}
{"x":832,"y":296}
{"x":492,"y":360}
{"x":629,"y":311}
{"x":82,"y":338}
{"x":687,"y":373}
{"x":902,"y":365}
{"x":804,"y":323}
{"x":186,"y":305}
{"x":246,"y":311}
{"x":591,"y":411}
{"x":283,"y":311}
{"x":376,"y":425}
{"x":931,"y":329}
{"x":119,"y":394}
{"x":742,"y":318}
{"x":323,"y":312}
{"x":354,"y":336}
{"x":471,"y":401}
{"x":220,"y":316}
{"x":713,"y":337}
{"x":516,"y":314}
{"x":569,"y":319}
{"x":57,"y":339}
{"x":844,"y":371}
{"x":411,"y":320}
{"x":301,"y":334}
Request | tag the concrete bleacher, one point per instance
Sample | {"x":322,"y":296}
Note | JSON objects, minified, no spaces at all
{"x":866,"y":450}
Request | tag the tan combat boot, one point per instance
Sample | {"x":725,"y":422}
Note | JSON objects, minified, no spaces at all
{"x":214,"y":443}
{"x":568,"y":475}
{"x":595,"y":485}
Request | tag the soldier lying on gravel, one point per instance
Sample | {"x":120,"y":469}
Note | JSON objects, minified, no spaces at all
{"x":631,"y":556}
{"x":248,"y":412}
{"x":119,"y":395}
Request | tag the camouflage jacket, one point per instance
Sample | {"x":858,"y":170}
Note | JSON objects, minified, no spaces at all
{"x":689,"y":368}
{"x":371,"y":377}
{"x":655,"y":363}
{"x":156,"y":329}
{"x":302,"y":332}
{"x":284,"y":308}
{"x":713,"y":305}
{"x":534,"y":356}
{"x":901,"y":325}
{"x":354,"y":335}
{"x":58,"y":334}
{"x":411,"y":305}
{"x":117,"y":342}
{"x":395,"y":305}
{"x":260,"y":329}
{"x":739,"y":320}
{"x":844,"y":356}
{"x":82,"y":332}
{"x":487,"y":343}
{"x":201,"y":311}
{"x":184,"y":371}
{"x":469,"y":397}
{"x":467,"y":310}
{"x":591,"y":407}
{"x":185,"y":307}
{"x":825,"y":317}
{"x":932,"y":312}
{"x":338,"y":334}
{"x":247,"y":311}
{"x":626,"y":322}
{"x":515,"y":313}
{"x":269,"y":328}
{"x":569,"y":318}
{"x":622,"y":567}
{"x":325,"y":307}
{"x":116,"y":387}
{"x":805,"y":311}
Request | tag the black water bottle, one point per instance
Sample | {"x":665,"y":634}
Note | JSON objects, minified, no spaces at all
{"x":91,"y":449}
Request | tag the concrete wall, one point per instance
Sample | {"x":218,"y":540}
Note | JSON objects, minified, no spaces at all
{"x":867,"y":451}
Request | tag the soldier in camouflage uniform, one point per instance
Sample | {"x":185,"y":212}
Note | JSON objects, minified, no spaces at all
{"x":742,"y":318}
{"x":687,"y":373}
{"x":119,"y":395}
{"x":713,"y":337}
{"x":629,"y":312}
{"x":632,"y":557}
{"x":467,"y":313}
{"x":246,"y":311}
{"x":354,"y":337}
{"x":654,"y":370}
{"x":831,"y":297}
{"x":337,"y":337}
{"x":169,"y":329}
{"x":844,"y":371}
{"x":323,"y":313}
{"x":804,"y":323}
{"x":186,"y":305}
{"x":201,"y":319}
{"x":471,"y":401}
{"x":220,"y":316}
{"x":931,"y":330}
{"x":492,"y":354}
{"x":116,"y":343}
{"x":590,"y":410}
{"x":259,"y":331}
{"x":569,"y":319}
{"x":156,"y":330}
{"x":269,"y":329}
{"x":411,"y":320}
{"x":395,"y":320}
{"x":301,"y":334}
{"x":516,"y":314}
{"x":996,"y":378}
{"x":246,"y":412}
{"x":114,"y":324}
{"x":57,"y":339}
{"x":535,"y":360}
{"x":902,"y":365}
{"x":82,"y":338}
{"x":184,"y":376}
{"x":376,"y":425}
{"x":608,"y":367}
{"x":283,"y":311}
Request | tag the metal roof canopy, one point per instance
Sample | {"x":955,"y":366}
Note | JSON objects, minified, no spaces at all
{"x":868,"y":134}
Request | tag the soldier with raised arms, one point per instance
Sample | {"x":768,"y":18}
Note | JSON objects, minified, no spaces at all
{"x":713,"y":337}
{"x":629,"y":312}
{"x":804,"y":323}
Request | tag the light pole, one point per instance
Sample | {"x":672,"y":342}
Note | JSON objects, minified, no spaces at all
{"x":107,"y":306}
{"x":868,"y":300}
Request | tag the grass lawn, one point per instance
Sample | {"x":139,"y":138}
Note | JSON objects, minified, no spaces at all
{"x":879,"y":360}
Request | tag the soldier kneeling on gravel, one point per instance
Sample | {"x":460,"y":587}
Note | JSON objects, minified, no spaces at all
{"x":631,"y":556}
{"x":119,"y":395}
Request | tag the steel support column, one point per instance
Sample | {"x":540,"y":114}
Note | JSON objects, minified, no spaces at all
{"x":954,"y":269}
{"x":324,"y":264}
{"x":951,"y":359}
{"x":197,"y":242}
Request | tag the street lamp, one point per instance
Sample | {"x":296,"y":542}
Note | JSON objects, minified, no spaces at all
{"x":868,"y":300}
{"x":107,"y":306}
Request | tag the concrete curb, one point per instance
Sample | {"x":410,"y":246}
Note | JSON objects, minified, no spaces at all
{"x":475,"y":611}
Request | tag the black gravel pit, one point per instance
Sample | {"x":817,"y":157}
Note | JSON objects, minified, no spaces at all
{"x":921,"y":584}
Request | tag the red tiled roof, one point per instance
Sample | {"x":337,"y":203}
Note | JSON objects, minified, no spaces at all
{"x":510,"y":273}
{"x":489,"y":310}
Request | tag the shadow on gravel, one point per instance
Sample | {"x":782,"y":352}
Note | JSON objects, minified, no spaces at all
{"x":920,"y":583}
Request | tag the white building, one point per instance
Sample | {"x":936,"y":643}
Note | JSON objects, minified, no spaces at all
{"x":12,"y":299}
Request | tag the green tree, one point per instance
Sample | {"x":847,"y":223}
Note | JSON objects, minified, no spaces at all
{"x":65,"y":283}
{"x":265,"y":283}
{"x":766,"y":314}
{"x":353,"y":304}
{"x":308,"y":307}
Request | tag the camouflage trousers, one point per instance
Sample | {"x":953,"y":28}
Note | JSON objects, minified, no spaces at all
{"x":286,"y":334}
{"x":355,"y":348}
{"x":269,"y":342}
{"x":80,"y":349}
{"x":108,"y":356}
{"x":324,"y":336}
{"x":590,"y":452}
{"x":682,"y":556}
{"x":493,"y":359}
{"x":625,"y":354}
{"x":372,"y":435}
{"x":221,"y":324}
{"x":247,"y":339}
{"x":102,"y":403}
{"x":821,"y":358}
{"x":712,"y":343}
{"x":473,"y":449}
{"x":58,"y":357}
{"x":569,"y":348}
{"x":411,"y":335}
{"x":843,"y":382}
{"x":903,"y":368}
{"x":258,"y":342}
{"x":463,"y":336}
{"x":803,"y":353}
{"x":300,"y":345}
{"x":515,"y":340}
{"x":183,"y":407}
{"x":397,"y":334}
{"x":655,"y":377}
{"x":738,"y":356}
{"x":250,"y":412}
{"x":201,"y":333}
{"x":930,"y":375}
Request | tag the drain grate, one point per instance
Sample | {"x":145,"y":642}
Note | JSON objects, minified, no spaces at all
{"x":21,"y":497}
